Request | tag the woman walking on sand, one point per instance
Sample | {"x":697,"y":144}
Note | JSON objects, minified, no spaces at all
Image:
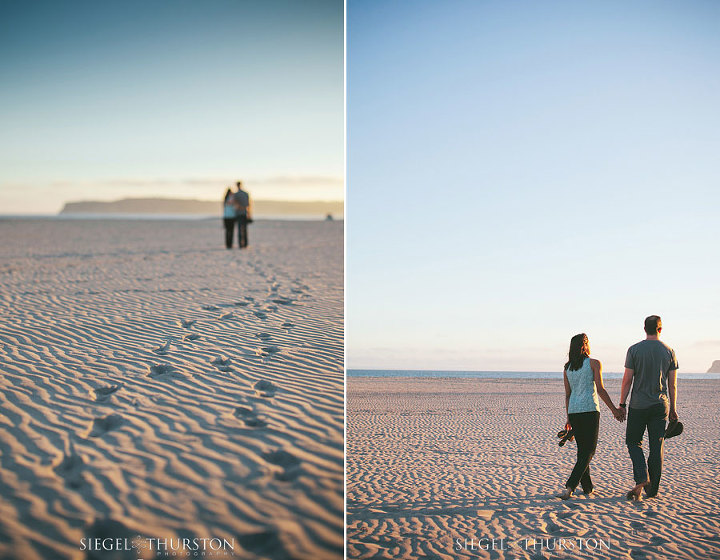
{"x":583,"y":385}
{"x":229,"y":217}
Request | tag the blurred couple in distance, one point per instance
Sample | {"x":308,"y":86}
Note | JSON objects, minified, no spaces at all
{"x":236,"y":210}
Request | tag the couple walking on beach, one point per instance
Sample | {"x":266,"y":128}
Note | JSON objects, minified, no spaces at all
{"x":236,"y":209}
{"x":651,"y":371}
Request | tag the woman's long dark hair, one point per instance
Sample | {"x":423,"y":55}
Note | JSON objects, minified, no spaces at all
{"x":577,"y":352}
{"x":228,"y":194}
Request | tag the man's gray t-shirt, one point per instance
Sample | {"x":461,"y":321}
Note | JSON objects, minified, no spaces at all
{"x":242,"y":199}
{"x":651,"y":360}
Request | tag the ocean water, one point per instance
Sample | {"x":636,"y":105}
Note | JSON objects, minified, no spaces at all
{"x":495,"y":374}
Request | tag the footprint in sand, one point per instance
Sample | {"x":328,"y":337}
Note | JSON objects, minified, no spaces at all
{"x":242,"y":303}
{"x":162,"y":350}
{"x":70,"y":466}
{"x":287,"y":461}
{"x":548,"y":524}
{"x":186,"y":324}
{"x":266,"y":544}
{"x":222,"y":363}
{"x":651,"y":513}
{"x":157,"y":370}
{"x":265,"y":351}
{"x":249,"y":416}
{"x":260,"y":314}
{"x":288,"y":325}
{"x":102,"y":393}
{"x":192,"y":336}
{"x":263,"y":336}
{"x":101,"y":426}
{"x":102,"y":530}
{"x":658,"y":541}
{"x":283,"y":301}
{"x":226,"y":316}
{"x":210,"y":307}
{"x":265,"y":388}
{"x":637,"y":524}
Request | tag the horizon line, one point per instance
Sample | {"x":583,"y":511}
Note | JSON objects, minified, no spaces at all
{"x":500,"y":371}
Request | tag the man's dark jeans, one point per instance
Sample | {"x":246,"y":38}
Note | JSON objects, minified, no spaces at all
{"x":242,"y":231}
{"x":585,"y":425}
{"x":652,"y":418}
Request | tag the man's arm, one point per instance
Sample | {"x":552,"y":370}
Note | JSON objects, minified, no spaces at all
{"x":672,"y":387}
{"x":625,"y":390}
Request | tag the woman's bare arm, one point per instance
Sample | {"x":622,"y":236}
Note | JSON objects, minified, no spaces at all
{"x":568,"y":390}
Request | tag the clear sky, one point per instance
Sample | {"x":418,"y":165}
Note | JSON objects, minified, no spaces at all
{"x":127,"y":98}
{"x":520,"y":172}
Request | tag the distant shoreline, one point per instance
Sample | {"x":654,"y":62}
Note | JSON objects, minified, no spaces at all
{"x":192,"y":207}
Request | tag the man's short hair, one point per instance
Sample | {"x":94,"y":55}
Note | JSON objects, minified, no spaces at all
{"x":653,"y":324}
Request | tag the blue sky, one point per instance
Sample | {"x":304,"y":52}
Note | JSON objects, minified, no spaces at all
{"x":519,"y":172}
{"x":170,"y":97}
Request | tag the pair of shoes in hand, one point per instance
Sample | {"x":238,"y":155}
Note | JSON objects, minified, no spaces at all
{"x":565,"y":436}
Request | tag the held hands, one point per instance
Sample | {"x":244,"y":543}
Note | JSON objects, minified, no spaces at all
{"x":673,"y":416}
{"x":619,"y":414}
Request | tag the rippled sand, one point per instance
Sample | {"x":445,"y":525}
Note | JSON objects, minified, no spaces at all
{"x":154,"y":383}
{"x":436,"y":466}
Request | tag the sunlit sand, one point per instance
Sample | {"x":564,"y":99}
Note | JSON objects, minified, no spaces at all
{"x":156,"y":384}
{"x":471,"y":468}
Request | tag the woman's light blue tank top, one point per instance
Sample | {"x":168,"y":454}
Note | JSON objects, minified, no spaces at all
{"x":583,"y":393}
{"x":228,"y":211}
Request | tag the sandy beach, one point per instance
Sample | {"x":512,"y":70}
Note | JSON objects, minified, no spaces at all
{"x":155,"y":385}
{"x":438,"y":468}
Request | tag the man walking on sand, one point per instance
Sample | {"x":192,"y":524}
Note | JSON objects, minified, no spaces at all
{"x":241,"y":201}
{"x":651,"y":370}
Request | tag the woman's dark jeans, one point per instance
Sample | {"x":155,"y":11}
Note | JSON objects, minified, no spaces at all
{"x":586,"y":426}
{"x":229,"y":224}
{"x":652,"y":418}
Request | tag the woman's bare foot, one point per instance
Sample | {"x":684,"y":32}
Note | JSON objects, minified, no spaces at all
{"x":565,"y":495}
{"x":636,"y":492}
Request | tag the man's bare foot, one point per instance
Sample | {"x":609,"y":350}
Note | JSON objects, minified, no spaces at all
{"x":636,"y":492}
{"x":565,"y":495}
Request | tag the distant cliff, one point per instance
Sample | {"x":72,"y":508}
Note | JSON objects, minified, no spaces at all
{"x":201,"y":207}
{"x":715,"y":367}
